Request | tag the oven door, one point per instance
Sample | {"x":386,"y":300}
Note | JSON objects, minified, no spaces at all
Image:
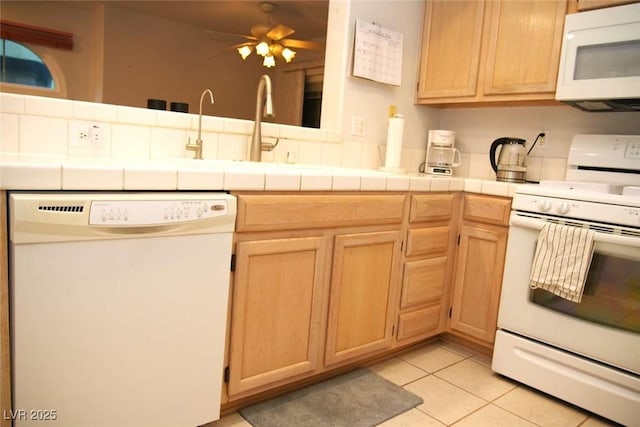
{"x":605,"y":326}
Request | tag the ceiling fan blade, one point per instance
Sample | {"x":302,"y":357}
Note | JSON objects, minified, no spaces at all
{"x":220,"y":35}
{"x":244,"y":44}
{"x":279,"y":32}
{"x":259,"y":30}
{"x":301,"y":44}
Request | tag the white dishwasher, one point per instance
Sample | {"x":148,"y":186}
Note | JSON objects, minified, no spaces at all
{"x":118,"y":306}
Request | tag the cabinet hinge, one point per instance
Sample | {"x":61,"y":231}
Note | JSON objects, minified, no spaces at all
{"x":233,"y":262}
{"x":449,"y":312}
{"x":226,"y":374}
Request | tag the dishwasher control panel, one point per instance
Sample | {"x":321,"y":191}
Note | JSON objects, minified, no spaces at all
{"x":154,"y":212}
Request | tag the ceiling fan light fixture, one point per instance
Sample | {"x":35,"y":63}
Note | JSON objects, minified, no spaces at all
{"x":244,"y":51}
{"x":269,"y":61}
{"x":288,"y":54}
{"x":262,"y":48}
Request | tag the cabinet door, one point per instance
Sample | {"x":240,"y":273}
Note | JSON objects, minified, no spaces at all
{"x":450,"y":48}
{"x":276,"y":311}
{"x":364,"y":285}
{"x":476,"y":292}
{"x":523,"y":54}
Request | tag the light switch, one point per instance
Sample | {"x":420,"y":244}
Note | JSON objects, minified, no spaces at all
{"x":358,"y":125}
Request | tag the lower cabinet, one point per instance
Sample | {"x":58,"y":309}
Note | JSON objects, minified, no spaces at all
{"x":325,"y":281}
{"x":423,"y":284}
{"x":276,"y":311}
{"x":364,"y":283}
{"x":315,"y":289}
{"x":427,"y":268}
{"x":480,"y":262}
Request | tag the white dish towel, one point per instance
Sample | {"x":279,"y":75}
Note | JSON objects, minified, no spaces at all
{"x":561,"y":261}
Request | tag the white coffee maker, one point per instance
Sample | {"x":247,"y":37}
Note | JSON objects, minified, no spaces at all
{"x":441,"y":154}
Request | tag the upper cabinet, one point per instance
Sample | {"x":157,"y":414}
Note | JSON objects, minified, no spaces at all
{"x":598,"y":4}
{"x":490,"y":51}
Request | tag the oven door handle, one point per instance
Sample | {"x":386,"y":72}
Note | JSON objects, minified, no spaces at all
{"x":516,"y":220}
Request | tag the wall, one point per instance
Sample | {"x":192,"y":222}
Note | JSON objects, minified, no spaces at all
{"x":123,"y":57}
{"x":50,"y":128}
{"x":476,"y":127}
{"x":346,"y":96}
{"x":150,"y":57}
{"x":76,"y":63}
{"x":371,"y":100}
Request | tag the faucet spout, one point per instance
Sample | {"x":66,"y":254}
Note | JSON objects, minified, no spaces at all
{"x":197,"y":146}
{"x":264,"y":105}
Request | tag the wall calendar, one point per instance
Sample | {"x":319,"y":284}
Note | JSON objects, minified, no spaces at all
{"x":377,"y":53}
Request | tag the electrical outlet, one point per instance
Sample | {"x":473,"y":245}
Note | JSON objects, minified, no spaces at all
{"x":85,"y":134}
{"x":544,"y":140}
{"x":541,"y":143}
{"x":95,"y":134}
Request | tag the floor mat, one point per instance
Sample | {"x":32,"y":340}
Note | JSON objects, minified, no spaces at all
{"x":359,"y":398}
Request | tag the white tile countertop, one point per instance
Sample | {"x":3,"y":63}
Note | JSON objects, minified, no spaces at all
{"x":47,"y":172}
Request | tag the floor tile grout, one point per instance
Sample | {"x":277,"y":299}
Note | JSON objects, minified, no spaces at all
{"x":485,"y":402}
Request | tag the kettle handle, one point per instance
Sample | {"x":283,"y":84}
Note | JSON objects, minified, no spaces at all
{"x":492,"y":152}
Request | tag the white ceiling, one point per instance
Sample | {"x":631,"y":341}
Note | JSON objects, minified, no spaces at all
{"x":307,"y":17}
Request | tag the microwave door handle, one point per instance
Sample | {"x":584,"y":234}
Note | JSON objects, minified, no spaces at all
{"x":537,"y":224}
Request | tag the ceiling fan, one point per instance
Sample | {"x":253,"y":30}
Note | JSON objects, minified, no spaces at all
{"x":272,"y":42}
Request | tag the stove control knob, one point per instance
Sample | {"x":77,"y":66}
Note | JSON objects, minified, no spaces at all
{"x":563,"y":208}
{"x":544,"y":205}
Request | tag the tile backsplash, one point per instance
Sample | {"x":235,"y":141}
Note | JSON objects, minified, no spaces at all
{"x":39,"y":125}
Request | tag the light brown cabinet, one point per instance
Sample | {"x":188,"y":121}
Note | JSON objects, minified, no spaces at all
{"x":276,"y":310}
{"x":598,"y":4}
{"x":364,"y":285}
{"x":315,"y":285}
{"x":427,"y":266}
{"x":479,"y":265}
{"x":476,"y":51}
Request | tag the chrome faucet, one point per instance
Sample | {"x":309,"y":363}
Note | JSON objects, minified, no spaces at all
{"x":197,"y":147}
{"x":264,"y":91}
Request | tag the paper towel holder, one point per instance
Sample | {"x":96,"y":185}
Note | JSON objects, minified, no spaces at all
{"x":394,"y":145}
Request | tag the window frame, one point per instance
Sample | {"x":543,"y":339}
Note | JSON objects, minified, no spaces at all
{"x":48,"y":59}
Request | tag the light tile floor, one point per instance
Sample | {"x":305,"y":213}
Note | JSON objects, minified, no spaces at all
{"x":459,"y":389}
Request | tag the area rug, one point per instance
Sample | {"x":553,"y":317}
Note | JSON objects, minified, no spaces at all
{"x":359,"y":398}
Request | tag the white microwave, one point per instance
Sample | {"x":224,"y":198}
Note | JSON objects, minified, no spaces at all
{"x":600,"y":60}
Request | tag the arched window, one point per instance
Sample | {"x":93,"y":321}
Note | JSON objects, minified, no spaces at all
{"x":20,"y":65}
{"x":31,"y":70}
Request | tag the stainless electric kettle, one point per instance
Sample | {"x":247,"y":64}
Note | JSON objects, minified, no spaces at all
{"x":510,"y":166}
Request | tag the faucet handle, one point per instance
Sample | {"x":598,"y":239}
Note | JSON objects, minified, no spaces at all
{"x":197,"y":147}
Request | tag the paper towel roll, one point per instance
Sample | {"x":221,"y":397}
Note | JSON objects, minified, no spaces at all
{"x":394,"y":144}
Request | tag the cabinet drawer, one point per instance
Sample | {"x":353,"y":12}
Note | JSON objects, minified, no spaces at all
{"x":423,"y":281}
{"x":435,"y":207}
{"x":491,"y":210}
{"x":257,"y":212}
{"x":424,"y":241}
{"x":418,"y":321}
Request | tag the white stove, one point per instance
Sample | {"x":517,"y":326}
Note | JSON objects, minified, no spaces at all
{"x":587,"y":353}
